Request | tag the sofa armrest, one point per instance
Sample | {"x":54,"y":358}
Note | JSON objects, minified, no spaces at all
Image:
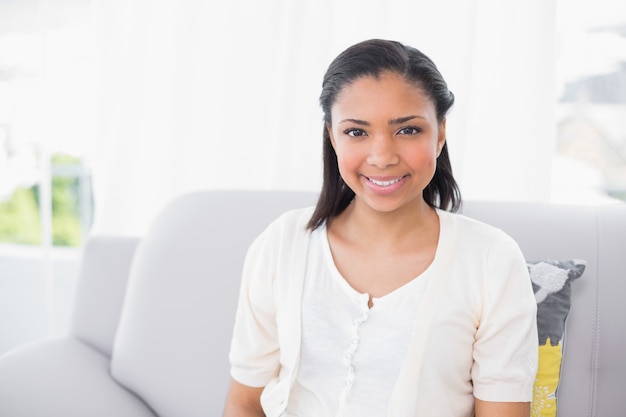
{"x":99,"y":297}
{"x":63,"y":377}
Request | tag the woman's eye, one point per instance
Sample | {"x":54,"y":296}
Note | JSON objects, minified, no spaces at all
{"x":409,"y":131}
{"x":354,"y":132}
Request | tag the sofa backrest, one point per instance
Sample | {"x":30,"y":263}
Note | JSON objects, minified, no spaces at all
{"x":594,"y":364}
{"x":99,"y":295}
{"x":172,"y":342}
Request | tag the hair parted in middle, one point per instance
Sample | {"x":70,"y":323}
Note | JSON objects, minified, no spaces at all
{"x":372,"y":58}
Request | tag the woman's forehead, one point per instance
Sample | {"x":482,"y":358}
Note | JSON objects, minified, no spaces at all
{"x":386,"y":95}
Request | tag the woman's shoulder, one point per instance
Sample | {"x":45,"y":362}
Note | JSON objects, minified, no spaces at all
{"x":289,"y":224}
{"x":294,"y":218}
{"x":287,"y":231}
{"x":486,"y":244}
{"x":465,"y":227}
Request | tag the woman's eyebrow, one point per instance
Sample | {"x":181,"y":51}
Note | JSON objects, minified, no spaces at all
{"x":405,"y":119}
{"x":397,"y":121}
{"x":355,"y":121}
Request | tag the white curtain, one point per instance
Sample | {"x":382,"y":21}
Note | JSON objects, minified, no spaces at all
{"x":200,"y":94}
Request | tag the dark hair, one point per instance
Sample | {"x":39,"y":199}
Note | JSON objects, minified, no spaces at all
{"x":372,"y":58}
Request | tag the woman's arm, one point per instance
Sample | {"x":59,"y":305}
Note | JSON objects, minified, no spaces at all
{"x":505,"y":350}
{"x":497,"y":409}
{"x":243,"y":401}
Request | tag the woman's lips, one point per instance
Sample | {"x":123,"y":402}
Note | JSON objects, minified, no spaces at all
{"x":384,"y":185}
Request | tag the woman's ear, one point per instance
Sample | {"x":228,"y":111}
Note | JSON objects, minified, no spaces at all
{"x":441,"y":139}
{"x":331,"y":137}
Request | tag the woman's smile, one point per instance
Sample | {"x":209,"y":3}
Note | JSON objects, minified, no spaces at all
{"x":384,"y":185}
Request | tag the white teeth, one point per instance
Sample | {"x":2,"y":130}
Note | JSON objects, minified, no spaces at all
{"x":385,"y":183}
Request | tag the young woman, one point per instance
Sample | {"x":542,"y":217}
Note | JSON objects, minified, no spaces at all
{"x":380,"y":302}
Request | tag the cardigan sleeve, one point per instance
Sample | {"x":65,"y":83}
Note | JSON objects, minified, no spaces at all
{"x":254,"y":352}
{"x":505,"y":350}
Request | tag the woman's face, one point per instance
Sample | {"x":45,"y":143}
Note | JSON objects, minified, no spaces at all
{"x":386,"y":136}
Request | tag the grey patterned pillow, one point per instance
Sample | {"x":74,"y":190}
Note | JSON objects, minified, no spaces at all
{"x":552,"y":281}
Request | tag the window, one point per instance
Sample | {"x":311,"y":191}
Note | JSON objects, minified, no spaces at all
{"x":46,"y":125}
{"x":46,"y":118}
{"x":590,"y":159}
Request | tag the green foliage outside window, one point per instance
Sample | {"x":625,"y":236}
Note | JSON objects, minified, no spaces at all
{"x":19,"y":215}
{"x":19,"y":218}
{"x":66,"y":223}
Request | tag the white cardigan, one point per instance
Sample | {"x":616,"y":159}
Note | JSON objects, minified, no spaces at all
{"x":475,"y":333}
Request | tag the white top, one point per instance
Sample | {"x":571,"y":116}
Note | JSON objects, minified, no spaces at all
{"x":351,"y":355}
{"x":475,"y":333}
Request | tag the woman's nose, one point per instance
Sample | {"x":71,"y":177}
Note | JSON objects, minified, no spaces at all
{"x":382,"y":152}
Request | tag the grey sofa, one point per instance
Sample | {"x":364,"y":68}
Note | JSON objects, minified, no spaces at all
{"x":152,"y":316}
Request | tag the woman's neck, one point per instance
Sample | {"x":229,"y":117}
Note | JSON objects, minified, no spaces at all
{"x":360,"y":223}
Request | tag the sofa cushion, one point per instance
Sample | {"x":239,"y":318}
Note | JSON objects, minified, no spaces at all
{"x":63,"y":377}
{"x":551,"y":282}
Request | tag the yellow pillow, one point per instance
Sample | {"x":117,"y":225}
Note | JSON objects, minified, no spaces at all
{"x":547,"y":381}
